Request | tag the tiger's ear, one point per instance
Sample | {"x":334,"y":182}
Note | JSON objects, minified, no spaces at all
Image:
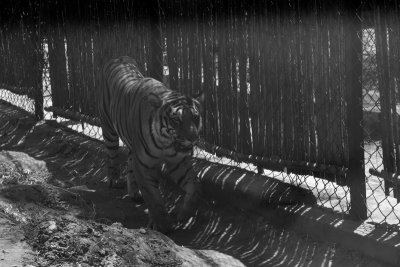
{"x":199,"y":96}
{"x":154,"y":100}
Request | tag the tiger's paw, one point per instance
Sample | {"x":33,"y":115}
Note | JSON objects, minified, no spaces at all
{"x":136,"y":197}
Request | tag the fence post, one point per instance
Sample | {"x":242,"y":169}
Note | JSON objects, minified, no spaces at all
{"x":38,"y":56}
{"x":39,"y":114}
{"x":156,"y":50}
{"x":353,"y":87}
{"x":38,"y":87}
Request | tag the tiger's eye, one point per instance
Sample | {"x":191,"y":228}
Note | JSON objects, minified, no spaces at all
{"x":174,"y":121}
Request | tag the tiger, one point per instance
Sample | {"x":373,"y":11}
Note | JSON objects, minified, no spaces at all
{"x":159,"y":126}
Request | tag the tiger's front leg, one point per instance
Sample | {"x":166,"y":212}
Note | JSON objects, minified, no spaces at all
{"x":133,"y":188}
{"x":147,"y":180}
{"x":183,"y":175}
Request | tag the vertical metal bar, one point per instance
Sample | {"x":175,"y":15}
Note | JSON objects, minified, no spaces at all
{"x":393,"y":24}
{"x":353,"y":84}
{"x":156,"y":48}
{"x":385,"y":98}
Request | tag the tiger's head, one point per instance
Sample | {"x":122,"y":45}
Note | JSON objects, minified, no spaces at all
{"x":178,"y":119}
{"x":185,"y":120}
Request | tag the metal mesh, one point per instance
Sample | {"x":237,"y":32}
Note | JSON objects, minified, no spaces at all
{"x":18,"y":100}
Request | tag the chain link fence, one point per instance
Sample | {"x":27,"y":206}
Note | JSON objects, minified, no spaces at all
{"x":23,"y":101}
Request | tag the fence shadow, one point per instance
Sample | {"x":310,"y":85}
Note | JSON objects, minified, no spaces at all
{"x":256,"y":242}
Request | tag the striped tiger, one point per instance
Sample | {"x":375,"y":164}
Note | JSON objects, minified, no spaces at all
{"x":159,"y":126}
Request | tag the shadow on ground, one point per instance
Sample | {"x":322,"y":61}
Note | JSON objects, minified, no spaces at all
{"x":76,"y":172}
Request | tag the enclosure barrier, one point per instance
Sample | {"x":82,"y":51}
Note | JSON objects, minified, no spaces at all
{"x":291,"y":87}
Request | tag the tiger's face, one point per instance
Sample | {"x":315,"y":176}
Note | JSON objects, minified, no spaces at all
{"x":186,"y":122}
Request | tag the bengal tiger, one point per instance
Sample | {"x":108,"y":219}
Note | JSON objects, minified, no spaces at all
{"x":159,"y":126}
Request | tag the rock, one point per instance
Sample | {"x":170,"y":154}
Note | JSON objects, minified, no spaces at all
{"x":52,"y":226}
{"x":23,"y":162}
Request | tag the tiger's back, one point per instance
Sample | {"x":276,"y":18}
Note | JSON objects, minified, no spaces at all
{"x":124,"y":88}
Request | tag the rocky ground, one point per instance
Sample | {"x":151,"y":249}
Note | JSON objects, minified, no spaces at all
{"x":57,"y":210}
